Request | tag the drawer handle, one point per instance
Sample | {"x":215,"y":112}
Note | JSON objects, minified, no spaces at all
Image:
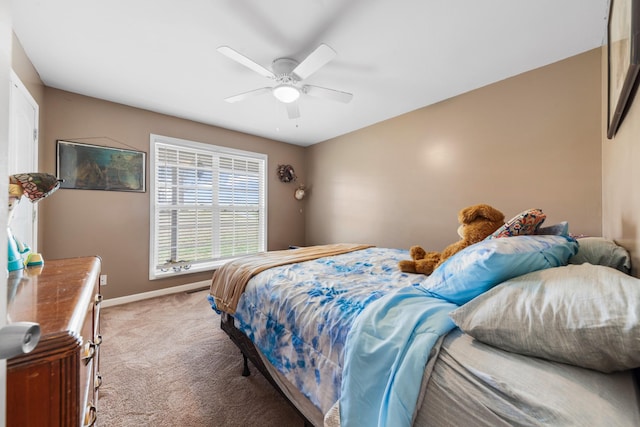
{"x":97,"y":381}
{"x":98,"y":298}
{"x":91,"y":415}
{"x":88,"y":352}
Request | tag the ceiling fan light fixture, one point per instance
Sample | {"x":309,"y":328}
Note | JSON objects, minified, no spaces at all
{"x":286,"y":93}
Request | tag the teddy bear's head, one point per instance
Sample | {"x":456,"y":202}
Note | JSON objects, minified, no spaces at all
{"x":479,"y":221}
{"x":476,"y":223}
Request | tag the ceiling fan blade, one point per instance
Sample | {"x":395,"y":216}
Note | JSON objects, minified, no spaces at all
{"x":292,"y":110}
{"x":314,"y":61}
{"x":245,"y":95}
{"x":326,"y":93}
{"x":240,"y":58}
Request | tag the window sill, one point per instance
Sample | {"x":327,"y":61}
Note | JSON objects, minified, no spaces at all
{"x":210,"y":266}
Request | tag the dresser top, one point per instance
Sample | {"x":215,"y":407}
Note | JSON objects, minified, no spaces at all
{"x":55,"y":295}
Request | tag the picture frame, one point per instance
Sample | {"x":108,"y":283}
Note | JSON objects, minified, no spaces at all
{"x":94,"y":167}
{"x":623,"y":59}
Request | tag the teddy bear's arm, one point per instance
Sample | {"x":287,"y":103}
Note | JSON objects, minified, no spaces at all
{"x":408,"y":266}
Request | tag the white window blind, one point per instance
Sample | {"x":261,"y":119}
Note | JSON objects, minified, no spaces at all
{"x":207,"y":205}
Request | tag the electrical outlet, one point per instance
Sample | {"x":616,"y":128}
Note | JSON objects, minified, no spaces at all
{"x":103,"y":279}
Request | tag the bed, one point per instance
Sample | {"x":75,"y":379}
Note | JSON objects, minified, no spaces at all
{"x":523,"y":330}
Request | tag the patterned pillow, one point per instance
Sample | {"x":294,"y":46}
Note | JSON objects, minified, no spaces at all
{"x":525,"y":223}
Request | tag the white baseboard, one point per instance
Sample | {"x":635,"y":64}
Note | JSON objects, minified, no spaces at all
{"x":146,"y":295}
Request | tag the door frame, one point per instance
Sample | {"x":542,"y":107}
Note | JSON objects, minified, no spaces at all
{"x":6,"y":39}
{"x":17,"y":88}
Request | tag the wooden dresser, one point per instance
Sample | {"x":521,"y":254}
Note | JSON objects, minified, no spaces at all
{"x":57,"y":383}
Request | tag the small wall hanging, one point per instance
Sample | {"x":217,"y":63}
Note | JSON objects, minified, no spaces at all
{"x":286,"y":173}
{"x":300,"y":192}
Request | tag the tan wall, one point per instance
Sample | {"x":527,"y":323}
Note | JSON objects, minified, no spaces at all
{"x":621,"y":176}
{"x":115,"y":225}
{"x":529,"y":141}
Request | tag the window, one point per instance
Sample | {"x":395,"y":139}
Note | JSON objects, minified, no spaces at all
{"x":207,"y":205}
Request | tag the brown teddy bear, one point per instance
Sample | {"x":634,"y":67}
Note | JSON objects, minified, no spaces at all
{"x":477,"y":222}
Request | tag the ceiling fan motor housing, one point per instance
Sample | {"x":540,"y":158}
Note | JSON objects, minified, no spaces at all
{"x":283,"y":68}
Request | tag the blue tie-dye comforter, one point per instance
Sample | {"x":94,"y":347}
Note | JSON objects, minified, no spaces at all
{"x":309,"y":320}
{"x":299,"y":315}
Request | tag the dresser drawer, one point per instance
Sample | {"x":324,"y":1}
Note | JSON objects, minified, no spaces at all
{"x":88,"y":356}
{"x":97,"y":377}
{"x":91,"y":358}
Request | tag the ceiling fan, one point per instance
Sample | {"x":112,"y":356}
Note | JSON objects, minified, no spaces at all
{"x":289,"y":75}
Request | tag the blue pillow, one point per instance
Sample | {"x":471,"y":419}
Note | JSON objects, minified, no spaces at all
{"x":480,"y":267}
{"x":561,"y":228}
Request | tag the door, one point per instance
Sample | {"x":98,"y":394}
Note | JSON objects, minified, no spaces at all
{"x":23,"y":157}
{"x":5,"y":68}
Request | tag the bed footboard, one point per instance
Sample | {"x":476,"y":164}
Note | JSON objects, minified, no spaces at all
{"x":249,"y":351}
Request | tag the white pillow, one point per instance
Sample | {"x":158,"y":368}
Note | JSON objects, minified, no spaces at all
{"x":584,"y":315}
{"x":601,"y":251}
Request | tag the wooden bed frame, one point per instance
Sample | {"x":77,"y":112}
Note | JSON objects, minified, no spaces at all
{"x":249,"y":352}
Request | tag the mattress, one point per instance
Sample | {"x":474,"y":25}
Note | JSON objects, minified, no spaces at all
{"x":474,"y":384}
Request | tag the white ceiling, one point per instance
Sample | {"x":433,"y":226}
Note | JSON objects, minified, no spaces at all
{"x":394,"y":56}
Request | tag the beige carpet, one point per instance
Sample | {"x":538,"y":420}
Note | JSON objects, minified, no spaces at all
{"x":166,"y":362}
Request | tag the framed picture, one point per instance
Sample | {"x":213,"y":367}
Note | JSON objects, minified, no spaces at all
{"x":623,"y":49}
{"x":94,"y":167}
